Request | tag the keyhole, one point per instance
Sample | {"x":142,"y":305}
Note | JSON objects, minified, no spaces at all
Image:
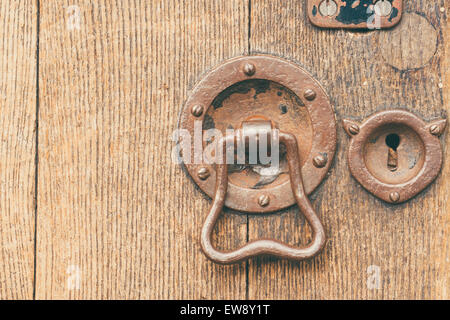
{"x":393,"y":141}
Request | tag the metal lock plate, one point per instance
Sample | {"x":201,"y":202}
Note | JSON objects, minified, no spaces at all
{"x":274,"y":89}
{"x":355,"y":14}
{"x":394,"y":154}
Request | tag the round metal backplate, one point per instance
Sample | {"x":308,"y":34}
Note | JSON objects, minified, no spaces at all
{"x":419,"y":154}
{"x":274,"y":89}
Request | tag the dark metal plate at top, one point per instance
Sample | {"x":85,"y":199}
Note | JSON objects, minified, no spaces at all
{"x":355,"y":14}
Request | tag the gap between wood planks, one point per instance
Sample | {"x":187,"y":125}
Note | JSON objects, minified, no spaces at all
{"x":247,"y":264}
{"x":36,"y":161}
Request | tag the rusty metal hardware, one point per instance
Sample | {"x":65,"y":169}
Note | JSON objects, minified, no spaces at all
{"x":263,"y":247}
{"x":278,"y":90}
{"x":355,"y":14}
{"x":394,"y":154}
{"x":245,"y":93}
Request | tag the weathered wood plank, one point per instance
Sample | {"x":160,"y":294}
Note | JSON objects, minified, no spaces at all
{"x":443,"y":256}
{"x":18,"y":30}
{"x":117,"y":219}
{"x":363,"y":72}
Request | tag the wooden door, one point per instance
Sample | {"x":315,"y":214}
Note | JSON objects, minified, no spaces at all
{"x":91,"y":206}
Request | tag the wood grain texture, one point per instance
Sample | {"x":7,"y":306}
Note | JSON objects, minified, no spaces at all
{"x":117,"y":220}
{"x":113,"y":211}
{"x":18,"y":30}
{"x":443,"y":256}
{"x":408,"y":242}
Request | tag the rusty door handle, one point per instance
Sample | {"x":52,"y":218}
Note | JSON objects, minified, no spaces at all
{"x":259,"y":96}
{"x":264,"y":247}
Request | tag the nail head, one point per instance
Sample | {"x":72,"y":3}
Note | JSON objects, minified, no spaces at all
{"x":310,"y":94}
{"x":435,"y":130}
{"x":249,"y":69}
{"x":264,"y":200}
{"x":353,"y":129}
{"x":320,"y":161}
{"x":197,"y":110}
{"x":394,"y":196}
{"x":203,"y":173}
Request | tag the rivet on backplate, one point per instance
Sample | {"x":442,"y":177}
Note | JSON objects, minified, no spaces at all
{"x":264,"y":200}
{"x":435,"y":130}
{"x":203,"y":173}
{"x":353,"y":129}
{"x":310,"y":94}
{"x":249,"y":69}
{"x":320,"y":161}
{"x":394,"y":196}
{"x":197,"y":110}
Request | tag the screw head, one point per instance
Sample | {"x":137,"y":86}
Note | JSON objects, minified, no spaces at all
{"x":354,"y":129}
{"x":197,"y":110}
{"x":328,"y":8}
{"x":203,"y":173}
{"x":310,"y":95}
{"x":383,"y":8}
{"x":249,"y":69}
{"x":394,"y":196}
{"x":435,"y":130}
{"x":320,"y":161}
{"x":264,"y":200}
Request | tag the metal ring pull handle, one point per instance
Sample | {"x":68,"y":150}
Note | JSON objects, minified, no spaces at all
{"x":264,"y":247}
